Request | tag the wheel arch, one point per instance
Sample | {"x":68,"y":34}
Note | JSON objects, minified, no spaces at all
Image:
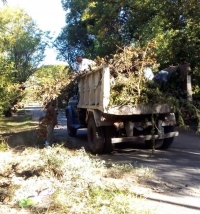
{"x":99,"y":118}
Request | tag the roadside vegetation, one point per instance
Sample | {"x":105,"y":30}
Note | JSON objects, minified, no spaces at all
{"x":60,"y":180}
{"x":21,"y":51}
{"x":18,"y":131}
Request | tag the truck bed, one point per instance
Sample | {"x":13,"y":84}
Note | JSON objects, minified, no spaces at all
{"x":94,"y":93}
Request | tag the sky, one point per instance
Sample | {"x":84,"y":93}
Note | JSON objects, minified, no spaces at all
{"x":49,"y":16}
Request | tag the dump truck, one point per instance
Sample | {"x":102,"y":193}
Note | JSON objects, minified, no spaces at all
{"x":109,"y":125}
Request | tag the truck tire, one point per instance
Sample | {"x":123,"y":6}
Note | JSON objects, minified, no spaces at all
{"x":168,"y":141}
{"x":109,"y":133}
{"x":71,"y":130}
{"x":161,"y":144}
{"x":95,"y":136}
{"x":158,"y":144}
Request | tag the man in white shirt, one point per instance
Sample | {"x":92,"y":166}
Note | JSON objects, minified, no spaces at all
{"x":148,"y":73}
{"x":82,"y":64}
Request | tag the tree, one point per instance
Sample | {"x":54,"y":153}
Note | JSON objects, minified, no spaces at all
{"x":98,"y":27}
{"x":8,"y":91}
{"x":22,"y":41}
{"x":48,"y":81}
{"x":22,"y":46}
{"x":74,"y":37}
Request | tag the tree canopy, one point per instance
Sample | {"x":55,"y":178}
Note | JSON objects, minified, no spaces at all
{"x":48,"y":81}
{"x":96,"y":28}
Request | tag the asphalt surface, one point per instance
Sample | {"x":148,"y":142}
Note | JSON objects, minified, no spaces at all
{"x":175,"y":186}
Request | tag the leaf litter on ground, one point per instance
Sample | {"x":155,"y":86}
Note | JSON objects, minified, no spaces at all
{"x":72,"y":182}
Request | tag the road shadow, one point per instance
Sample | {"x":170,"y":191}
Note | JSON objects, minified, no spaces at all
{"x":176,"y":171}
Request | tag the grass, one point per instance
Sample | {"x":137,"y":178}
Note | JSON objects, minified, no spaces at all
{"x":77,"y":181}
{"x":16,"y":123}
{"x":80,"y":183}
{"x":118,"y":171}
{"x":3,"y":144}
{"x":18,"y":131}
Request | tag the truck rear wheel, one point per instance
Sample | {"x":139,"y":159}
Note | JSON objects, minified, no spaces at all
{"x":162,"y":143}
{"x":71,"y":130}
{"x":109,"y":133}
{"x":96,"y":137}
{"x":168,"y":141}
{"x":158,"y":144}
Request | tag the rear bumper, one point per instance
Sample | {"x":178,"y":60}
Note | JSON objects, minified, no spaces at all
{"x":144,"y":137}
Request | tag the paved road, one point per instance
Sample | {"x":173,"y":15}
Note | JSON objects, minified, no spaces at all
{"x":176,"y":184}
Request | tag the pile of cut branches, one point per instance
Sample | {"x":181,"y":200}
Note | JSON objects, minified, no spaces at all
{"x":131,"y":59}
{"x":132,"y":88}
{"x":127,"y":67}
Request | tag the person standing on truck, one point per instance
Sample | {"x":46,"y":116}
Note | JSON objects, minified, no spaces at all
{"x":148,"y":74}
{"x":82,"y":64}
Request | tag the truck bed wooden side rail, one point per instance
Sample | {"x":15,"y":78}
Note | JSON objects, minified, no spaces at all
{"x":94,"y":93}
{"x":94,"y":89}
